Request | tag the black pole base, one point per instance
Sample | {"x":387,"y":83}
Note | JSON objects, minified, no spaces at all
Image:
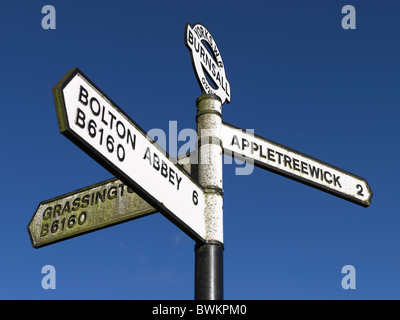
{"x":209,"y":275}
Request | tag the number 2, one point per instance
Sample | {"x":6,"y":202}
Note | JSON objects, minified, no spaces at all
{"x":360,"y":190}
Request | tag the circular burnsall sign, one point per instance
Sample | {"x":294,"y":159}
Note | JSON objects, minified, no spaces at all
{"x":207,"y":62}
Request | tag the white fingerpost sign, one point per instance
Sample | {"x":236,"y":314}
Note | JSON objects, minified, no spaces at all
{"x":95,"y":207}
{"x":295,"y":165}
{"x":98,"y":126}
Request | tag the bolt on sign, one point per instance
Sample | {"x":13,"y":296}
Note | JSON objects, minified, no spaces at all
{"x":295,"y":165}
{"x":99,"y":127}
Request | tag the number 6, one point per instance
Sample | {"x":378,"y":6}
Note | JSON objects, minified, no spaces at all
{"x":194,"y":198}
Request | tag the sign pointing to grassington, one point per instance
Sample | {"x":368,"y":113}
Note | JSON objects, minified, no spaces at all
{"x":85,"y":210}
{"x":89,"y":209}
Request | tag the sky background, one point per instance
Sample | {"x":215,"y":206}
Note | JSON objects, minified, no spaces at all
{"x":297,"y":78}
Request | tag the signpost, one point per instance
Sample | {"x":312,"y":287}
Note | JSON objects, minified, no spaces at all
{"x":295,"y":165}
{"x":99,"y":127}
{"x":210,"y":73}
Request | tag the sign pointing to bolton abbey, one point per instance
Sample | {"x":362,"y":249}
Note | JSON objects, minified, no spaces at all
{"x":148,"y":180}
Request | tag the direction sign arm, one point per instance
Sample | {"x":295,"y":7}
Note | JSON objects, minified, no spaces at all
{"x":295,"y":165}
{"x":90,"y":119}
{"x":92,"y":208}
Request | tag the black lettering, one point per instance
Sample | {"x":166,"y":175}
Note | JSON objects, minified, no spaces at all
{"x":226,"y":89}
{"x":178,"y":181}
{"x":245,"y":143}
{"x":314,"y":171}
{"x":304,"y":167}
{"x":296,"y":164}
{"x":100,"y":196}
{"x":76,"y":203}
{"x":202,"y":52}
{"x":171,"y":176}
{"x":57,"y":209}
{"x":261,"y":153}
{"x":120,"y":125}
{"x":121,"y":186}
{"x":112,"y":193}
{"x":85,"y":201}
{"x":208,"y":61}
{"x":190,"y":34}
{"x":198,"y":45}
{"x":83,"y":93}
{"x":47,"y":213}
{"x":235,"y":140}
{"x":254,"y":147}
{"x":336,"y":180}
{"x":112,"y":119}
{"x":164,"y":168}
{"x":102,"y":116}
{"x":218,"y":78}
{"x":216,"y":53}
{"x":197,"y":30}
{"x":80,"y":118}
{"x":156,"y":162}
{"x":120,"y":153}
{"x":82,"y":218}
{"x":279,"y":156}
{"x":326,"y":179}
{"x":270,"y":154}
{"x":133,"y":140}
{"x":66,"y":208}
{"x":98,"y":105}
{"x":45,"y":230}
{"x":288,"y":161}
{"x":147,"y":155}
{"x":222,"y":82}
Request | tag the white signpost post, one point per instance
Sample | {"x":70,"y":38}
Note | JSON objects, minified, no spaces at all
{"x":98,"y":126}
{"x":210,"y":72}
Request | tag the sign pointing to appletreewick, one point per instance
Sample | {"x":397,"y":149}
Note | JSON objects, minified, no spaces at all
{"x":98,"y":126}
{"x":85,"y":210}
{"x":295,"y":165}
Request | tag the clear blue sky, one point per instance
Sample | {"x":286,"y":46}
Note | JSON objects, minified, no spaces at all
{"x":297,"y":78}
